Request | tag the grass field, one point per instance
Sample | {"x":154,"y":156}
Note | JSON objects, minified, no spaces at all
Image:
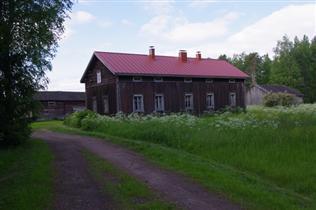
{"x":262,"y":159}
{"x":26,"y":176}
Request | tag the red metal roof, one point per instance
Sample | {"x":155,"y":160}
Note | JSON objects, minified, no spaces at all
{"x":137,"y":64}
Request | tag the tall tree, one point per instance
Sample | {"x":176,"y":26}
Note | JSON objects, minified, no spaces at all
{"x":302,"y":54}
{"x":29,"y":34}
{"x":256,"y":66}
{"x":285,"y":69}
{"x":312,"y":95}
{"x":263,"y":77}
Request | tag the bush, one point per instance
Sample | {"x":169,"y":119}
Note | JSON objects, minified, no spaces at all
{"x":75,"y":119}
{"x":278,"y":99}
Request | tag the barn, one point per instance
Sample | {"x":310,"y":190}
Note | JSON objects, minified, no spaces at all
{"x":58,"y":104}
{"x":256,"y":93}
{"x":147,"y":83}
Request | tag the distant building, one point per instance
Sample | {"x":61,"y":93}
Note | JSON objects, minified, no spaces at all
{"x":58,"y":104}
{"x":124,"y":82}
{"x":254,"y":95}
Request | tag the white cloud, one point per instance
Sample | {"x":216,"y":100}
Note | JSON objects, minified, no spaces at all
{"x":262,"y":35}
{"x":201,"y":3}
{"x":104,"y":23}
{"x":68,"y":32}
{"x":179,"y":29}
{"x":294,"y":20}
{"x":158,"y":7}
{"x":80,"y":17}
{"x":126,"y":22}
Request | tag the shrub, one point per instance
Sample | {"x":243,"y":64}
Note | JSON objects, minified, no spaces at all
{"x":278,"y":99}
{"x":75,"y":119}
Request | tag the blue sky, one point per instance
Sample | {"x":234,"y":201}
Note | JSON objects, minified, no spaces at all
{"x":214,"y":27}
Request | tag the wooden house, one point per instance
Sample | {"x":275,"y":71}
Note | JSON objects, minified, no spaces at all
{"x":256,"y":93}
{"x":58,"y":104}
{"x":122,"y":82}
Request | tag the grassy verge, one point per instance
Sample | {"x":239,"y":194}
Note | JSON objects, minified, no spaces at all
{"x":26,"y":176}
{"x":126,"y":191}
{"x":246,"y":187}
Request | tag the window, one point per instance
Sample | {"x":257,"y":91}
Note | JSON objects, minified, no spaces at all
{"x":208,"y":80}
{"x":51,"y":104}
{"x":138,"y":103}
{"x":232,"y":81}
{"x":210,"y":101}
{"x":159,"y":103}
{"x":232,"y":99}
{"x":99,"y":77}
{"x":187,"y":80}
{"x":158,"y":79}
{"x":188,"y":101}
{"x":106,"y":104}
{"x":94,"y":104}
{"x":137,"y":79}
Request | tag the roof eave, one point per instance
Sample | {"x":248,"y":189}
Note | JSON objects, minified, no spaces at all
{"x":179,"y":75}
{"x":87,"y":68}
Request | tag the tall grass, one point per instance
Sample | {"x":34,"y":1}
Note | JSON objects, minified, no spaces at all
{"x":276,"y":144}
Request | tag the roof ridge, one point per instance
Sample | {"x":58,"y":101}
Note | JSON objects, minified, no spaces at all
{"x":170,"y":56}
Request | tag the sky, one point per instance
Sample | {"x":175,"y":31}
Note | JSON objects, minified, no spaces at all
{"x":213,"y":27}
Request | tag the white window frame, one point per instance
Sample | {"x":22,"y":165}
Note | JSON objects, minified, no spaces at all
{"x":187,"y":80}
{"x":106,"y":108}
{"x":99,"y":77}
{"x":141,"y":101}
{"x":94,"y":104}
{"x":188,"y":108}
{"x":137,"y":79}
{"x":209,"y":80}
{"x":232,"y":81}
{"x":161,"y":107}
{"x":158,"y":79}
{"x":232,"y":103}
{"x":210,"y":104}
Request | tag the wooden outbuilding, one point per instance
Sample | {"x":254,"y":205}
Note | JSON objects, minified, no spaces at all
{"x":58,"y":104}
{"x":256,"y":93}
{"x":122,"y":82}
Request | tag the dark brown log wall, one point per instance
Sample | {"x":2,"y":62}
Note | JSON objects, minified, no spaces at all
{"x":174,"y":90}
{"x":59,"y":109}
{"x":106,"y":87}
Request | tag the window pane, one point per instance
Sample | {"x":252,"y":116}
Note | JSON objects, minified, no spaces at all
{"x":159,"y":103}
{"x":99,"y":77}
{"x":138,"y":103}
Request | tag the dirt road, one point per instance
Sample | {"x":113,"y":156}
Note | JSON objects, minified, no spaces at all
{"x":173,"y":187}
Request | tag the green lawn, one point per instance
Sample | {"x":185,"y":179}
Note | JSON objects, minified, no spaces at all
{"x":26,"y":176}
{"x":127,"y":192}
{"x":262,"y":159}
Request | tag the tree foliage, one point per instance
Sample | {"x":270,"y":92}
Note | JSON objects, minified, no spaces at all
{"x":29,"y":34}
{"x":293,"y":65}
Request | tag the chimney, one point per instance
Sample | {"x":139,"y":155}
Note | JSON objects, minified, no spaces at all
{"x":183,"y":56}
{"x":198,"y":55}
{"x":152,"y":52}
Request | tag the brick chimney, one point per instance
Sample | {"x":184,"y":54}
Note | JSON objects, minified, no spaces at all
{"x":183,"y":56}
{"x":198,"y":55}
{"x":152,"y":52}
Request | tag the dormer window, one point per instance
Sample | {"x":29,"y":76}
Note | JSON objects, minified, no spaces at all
{"x":99,"y":77}
{"x":187,"y":80}
{"x":232,"y":81}
{"x":208,"y":80}
{"x":137,"y":79}
{"x":158,"y":79}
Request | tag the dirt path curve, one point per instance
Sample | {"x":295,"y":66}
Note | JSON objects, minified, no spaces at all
{"x":172,"y":186}
{"x":74,"y":188}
